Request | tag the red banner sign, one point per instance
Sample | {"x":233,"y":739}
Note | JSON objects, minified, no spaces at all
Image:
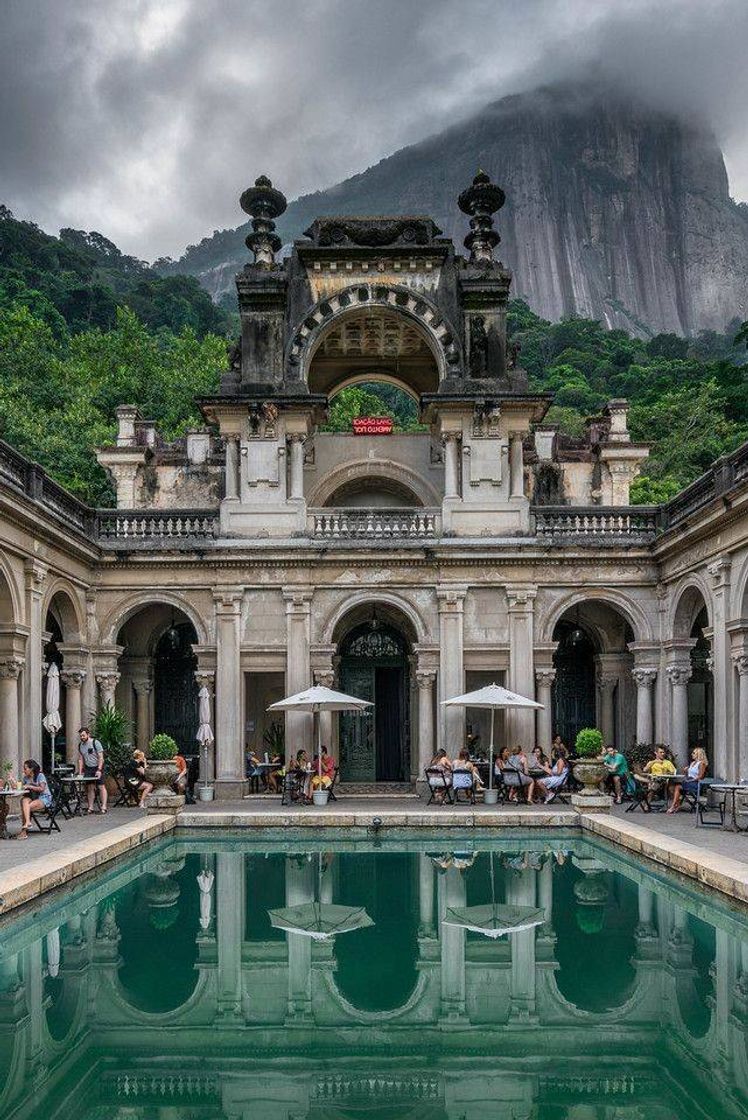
{"x":372,"y":425}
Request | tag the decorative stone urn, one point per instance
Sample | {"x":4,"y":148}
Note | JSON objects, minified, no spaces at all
{"x":590,"y":772}
{"x":161,"y":772}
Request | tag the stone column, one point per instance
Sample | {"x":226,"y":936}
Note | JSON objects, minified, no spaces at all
{"x":520,"y":723}
{"x":143,"y":687}
{"x":232,"y":467}
{"x":725,"y":751}
{"x":107,"y":680}
{"x":644,"y":679}
{"x":741,"y":728}
{"x":325,"y":678}
{"x":73,"y":680}
{"x":679,"y":676}
{"x":606,"y":709}
{"x":206,"y":678}
{"x":544,"y":679}
{"x":230,"y":779}
{"x":452,"y":938}
{"x":516,"y":469}
{"x":298,"y":669}
{"x":10,"y":745}
{"x":36,"y":575}
{"x":521,"y":890}
{"x":299,"y":890}
{"x":230,"y":875}
{"x":425,"y":678}
{"x":425,"y":895}
{"x":451,"y":668}
{"x":297,"y":465}
{"x":451,"y":473}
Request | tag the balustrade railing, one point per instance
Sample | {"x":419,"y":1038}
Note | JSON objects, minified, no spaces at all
{"x":374,"y":524}
{"x":170,"y":525}
{"x":593,"y":523}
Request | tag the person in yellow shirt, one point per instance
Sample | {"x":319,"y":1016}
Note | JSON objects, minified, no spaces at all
{"x":660,"y":767}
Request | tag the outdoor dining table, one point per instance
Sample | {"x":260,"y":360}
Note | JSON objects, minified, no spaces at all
{"x":5,"y":802}
{"x":72,"y":791}
{"x":730,"y":790}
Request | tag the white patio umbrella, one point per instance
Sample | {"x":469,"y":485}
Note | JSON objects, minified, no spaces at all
{"x":320,"y":699}
{"x":320,"y":920}
{"x":494,"y":919}
{"x":52,"y":721}
{"x":493,"y":696}
{"x":204,"y":734}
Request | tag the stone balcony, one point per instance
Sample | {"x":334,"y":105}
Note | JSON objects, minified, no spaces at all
{"x":374,"y":524}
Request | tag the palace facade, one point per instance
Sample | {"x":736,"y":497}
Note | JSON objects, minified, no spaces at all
{"x":261,"y":553}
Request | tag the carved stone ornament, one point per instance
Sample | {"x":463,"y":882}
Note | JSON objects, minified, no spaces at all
{"x":679,"y":674}
{"x":372,"y":232}
{"x":10,"y":668}
{"x":425,"y":678}
{"x":741,"y":664}
{"x":644,"y":677}
{"x":73,"y":678}
{"x":545,"y":677}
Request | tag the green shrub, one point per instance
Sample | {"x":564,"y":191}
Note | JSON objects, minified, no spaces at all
{"x":162,"y":748}
{"x":589,"y":743}
{"x":112,"y":728}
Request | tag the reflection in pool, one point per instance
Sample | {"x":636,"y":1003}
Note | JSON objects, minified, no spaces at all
{"x":164,"y":990}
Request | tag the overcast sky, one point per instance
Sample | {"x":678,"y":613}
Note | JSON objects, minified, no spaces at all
{"x":144,"y":119}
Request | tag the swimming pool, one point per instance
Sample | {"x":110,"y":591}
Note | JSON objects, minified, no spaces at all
{"x":281,"y":978}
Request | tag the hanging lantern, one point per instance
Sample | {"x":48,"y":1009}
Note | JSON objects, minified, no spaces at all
{"x":172,"y":634}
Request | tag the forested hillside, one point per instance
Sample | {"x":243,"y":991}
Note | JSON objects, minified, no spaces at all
{"x":84,"y":328}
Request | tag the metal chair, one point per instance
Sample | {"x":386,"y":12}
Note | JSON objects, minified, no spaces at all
{"x":710,"y":801}
{"x":292,"y":788}
{"x":463,"y":782}
{"x":49,"y":815}
{"x":437,"y":782}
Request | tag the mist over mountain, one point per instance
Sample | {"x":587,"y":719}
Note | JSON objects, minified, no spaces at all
{"x":615,"y":211}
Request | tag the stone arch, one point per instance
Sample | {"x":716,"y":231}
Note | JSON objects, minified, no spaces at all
{"x":740,"y":589}
{"x":689,"y":599}
{"x":63,"y":603}
{"x":423,"y":491}
{"x":441,"y":339}
{"x":375,"y":375}
{"x":346,"y":611}
{"x":124,"y":611}
{"x":11,"y":601}
{"x":628,"y":608}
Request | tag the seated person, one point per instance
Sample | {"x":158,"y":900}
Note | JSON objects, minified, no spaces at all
{"x":500,"y":762}
{"x":696,"y":773}
{"x":515,"y":775}
{"x":658,"y":768}
{"x":538,"y":760}
{"x":303,"y":766}
{"x":134,"y":775}
{"x":558,"y":775}
{"x":442,"y":763}
{"x":253,"y":765}
{"x":277,"y":772}
{"x":38,"y":795}
{"x":324,"y":769}
{"x":618,"y":773}
{"x":462,"y":762}
{"x":179,"y":785}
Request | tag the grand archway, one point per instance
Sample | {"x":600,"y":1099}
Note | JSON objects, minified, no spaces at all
{"x":374,"y":665}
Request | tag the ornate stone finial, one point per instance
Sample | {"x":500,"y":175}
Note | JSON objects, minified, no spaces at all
{"x":480,"y":201}
{"x":263,"y":203}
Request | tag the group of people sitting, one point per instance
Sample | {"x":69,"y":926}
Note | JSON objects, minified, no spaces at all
{"x":655,"y":776}
{"x":315,"y":773}
{"x":538,"y":777}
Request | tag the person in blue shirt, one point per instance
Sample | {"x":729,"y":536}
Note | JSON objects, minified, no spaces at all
{"x":38,"y":794}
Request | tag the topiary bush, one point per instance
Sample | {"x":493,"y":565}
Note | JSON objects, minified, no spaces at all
{"x":588,"y":743}
{"x":162,"y":748}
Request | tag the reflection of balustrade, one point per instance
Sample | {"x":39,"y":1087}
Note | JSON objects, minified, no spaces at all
{"x":635,"y":524}
{"x":169,"y":1085}
{"x":409,"y":1087}
{"x":375,"y":524}
{"x":170,"y":525}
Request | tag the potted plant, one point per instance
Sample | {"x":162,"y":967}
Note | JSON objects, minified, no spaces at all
{"x":161,"y":769}
{"x":112,"y":728}
{"x":587,"y":766}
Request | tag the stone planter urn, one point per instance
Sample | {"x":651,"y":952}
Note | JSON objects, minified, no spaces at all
{"x":590,"y":772}
{"x":161,"y":772}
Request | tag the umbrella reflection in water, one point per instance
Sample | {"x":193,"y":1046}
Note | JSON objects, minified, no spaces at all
{"x":320,"y":920}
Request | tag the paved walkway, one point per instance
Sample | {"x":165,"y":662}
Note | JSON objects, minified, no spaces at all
{"x":75,"y":831}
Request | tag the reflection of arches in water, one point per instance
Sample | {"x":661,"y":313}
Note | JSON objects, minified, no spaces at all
{"x":595,"y":945}
{"x":158,"y":919}
{"x":62,"y":995}
{"x":266,"y":890}
{"x":377,"y":966}
{"x":695,"y":987}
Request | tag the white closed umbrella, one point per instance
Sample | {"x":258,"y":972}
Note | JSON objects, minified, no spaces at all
{"x":204,"y":734}
{"x":320,"y":699}
{"x":205,"y":882}
{"x":53,"y":951}
{"x":493,"y":696}
{"x":52,"y":721}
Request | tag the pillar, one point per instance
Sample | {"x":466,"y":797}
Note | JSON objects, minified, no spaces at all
{"x":520,"y":723}
{"x":297,"y":465}
{"x":425,"y":895}
{"x":230,"y":886}
{"x":230,"y":770}
{"x":326,"y":679}
{"x":740,"y":662}
{"x":232,"y":468}
{"x":107,"y":680}
{"x":10,"y":670}
{"x":725,"y":752}
{"x":73,"y":680}
{"x":298,"y":669}
{"x":451,"y":473}
{"x":606,"y":709}
{"x":425,"y":679}
{"x":521,"y":890}
{"x":36,"y":575}
{"x":679,"y":676}
{"x":142,"y":687}
{"x":544,"y":679}
{"x":644,"y":679}
{"x":452,"y":938}
{"x":451,"y":668}
{"x":299,"y":890}
{"x":516,"y":470}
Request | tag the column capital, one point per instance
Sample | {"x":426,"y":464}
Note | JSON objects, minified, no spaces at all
{"x":450,"y":437}
{"x":107,"y":679}
{"x":740,"y":661}
{"x":606,"y":681}
{"x":719,"y":572}
{"x":35,"y":575}
{"x":73,"y":678}
{"x":142,"y":685}
{"x":521,"y":599}
{"x":451,"y":598}
{"x":324,"y":677}
{"x":644,"y":675}
{"x":678,"y":674}
{"x":10,"y":668}
{"x":228,"y":600}
{"x":298,"y":600}
{"x":205,"y":678}
{"x":425,"y":678}
{"x":545,"y":677}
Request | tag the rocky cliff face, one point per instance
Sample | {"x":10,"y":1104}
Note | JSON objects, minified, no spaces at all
{"x":614,"y":211}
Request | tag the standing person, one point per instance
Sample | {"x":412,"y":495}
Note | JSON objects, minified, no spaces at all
{"x":91,"y":765}
{"x":38,"y":794}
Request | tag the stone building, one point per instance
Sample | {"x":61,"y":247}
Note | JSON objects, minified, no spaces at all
{"x":262,"y":552}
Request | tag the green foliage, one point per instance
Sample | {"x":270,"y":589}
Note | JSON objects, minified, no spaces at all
{"x":648,"y":491}
{"x":588,"y":743}
{"x":640,"y":754}
{"x":162,"y":748}
{"x":274,"y":739}
{"x":112,"y":728}
{"x":372,"y":398}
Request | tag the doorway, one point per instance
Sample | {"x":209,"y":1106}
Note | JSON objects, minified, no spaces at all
{"x":375,"y":746}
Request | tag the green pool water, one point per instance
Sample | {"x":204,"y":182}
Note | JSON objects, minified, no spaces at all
{"x":184,"y":984}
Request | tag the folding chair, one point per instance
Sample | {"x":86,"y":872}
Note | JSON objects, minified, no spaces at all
{"x":463,"y":782}
{"x":49,"y":815}
{"x":331,"y":790}
{"x":292,"y":788}
{"x":127,"y":795}
{"x":437,"y":780}
{"x":639,"y":796}
{"x":710,"y":801}
{"x":512,"y":780}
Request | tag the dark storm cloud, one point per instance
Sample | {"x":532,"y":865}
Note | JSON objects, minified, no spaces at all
{"x":146,"y":118}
